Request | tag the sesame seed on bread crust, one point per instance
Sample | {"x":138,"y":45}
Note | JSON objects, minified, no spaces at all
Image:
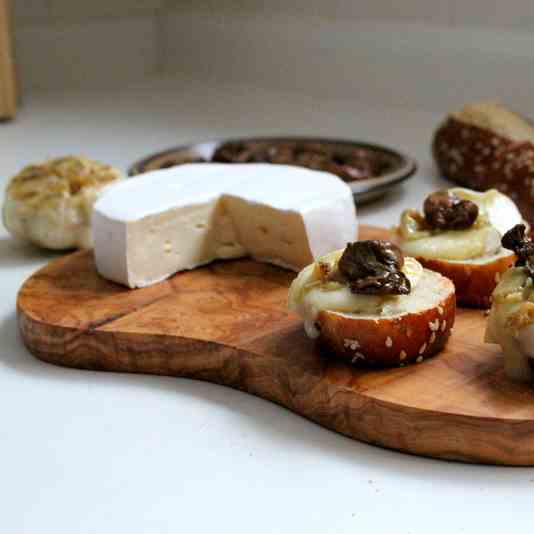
{"x":474,"y":280}
{"x":391,"y":341}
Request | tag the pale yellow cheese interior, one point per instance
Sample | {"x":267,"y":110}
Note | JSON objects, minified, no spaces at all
{"x":208,"y":231}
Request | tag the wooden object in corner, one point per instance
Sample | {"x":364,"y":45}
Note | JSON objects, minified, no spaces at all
{"x":228,"y":323}
{"x":8,"y":86}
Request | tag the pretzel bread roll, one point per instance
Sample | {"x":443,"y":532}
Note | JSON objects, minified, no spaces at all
{"x":485,"y":146}
{"x":378,"y":328}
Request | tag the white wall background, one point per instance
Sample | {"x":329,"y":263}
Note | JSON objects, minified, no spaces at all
{"x":375,"y":49}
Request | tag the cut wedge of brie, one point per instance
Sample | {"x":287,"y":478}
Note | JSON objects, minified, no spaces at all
{"x":162,"y":222}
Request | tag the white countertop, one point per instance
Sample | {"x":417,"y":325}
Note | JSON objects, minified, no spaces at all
{"x":85,"y":452}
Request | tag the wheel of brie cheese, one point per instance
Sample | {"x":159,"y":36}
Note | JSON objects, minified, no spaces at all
{"x":50,"y":204}
{"x":148,"y":228}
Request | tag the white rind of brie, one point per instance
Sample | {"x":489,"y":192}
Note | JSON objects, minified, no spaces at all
{"x":308,"y":296}
{"x":511,"y":323}
{"x":497,"y":214}
{"x":152,"y":226}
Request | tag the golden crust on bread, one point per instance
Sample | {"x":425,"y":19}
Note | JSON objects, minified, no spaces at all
{"x":474,"y":282}
{"x":493,"y":116}
{"x":376,"y":341}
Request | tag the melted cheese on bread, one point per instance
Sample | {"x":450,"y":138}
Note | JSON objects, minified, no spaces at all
{"x":511,"y":322}
{"x":455,"y":244}
{"x":308,"y":295}
{"x":497,"y":214}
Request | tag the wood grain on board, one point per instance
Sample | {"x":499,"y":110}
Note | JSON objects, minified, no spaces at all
{"x":228,"y":323}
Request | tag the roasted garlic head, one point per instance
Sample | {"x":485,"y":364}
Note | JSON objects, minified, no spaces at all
{"x":50,"y":204}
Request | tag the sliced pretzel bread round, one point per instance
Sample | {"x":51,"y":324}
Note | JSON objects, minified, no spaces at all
{"x":474,"y":280}
{"x":388,"y":341}
{"x":485,"y":145}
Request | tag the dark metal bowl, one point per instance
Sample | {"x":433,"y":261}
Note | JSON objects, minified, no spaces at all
{"x":400,"y":167}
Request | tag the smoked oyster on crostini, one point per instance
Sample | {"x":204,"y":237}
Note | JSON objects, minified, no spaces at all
{"x":458,"y":233}
{"x":370,"y":305}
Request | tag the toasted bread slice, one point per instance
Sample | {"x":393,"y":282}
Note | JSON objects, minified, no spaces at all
{"x":474,"y":280}
{"x":419,"y":331}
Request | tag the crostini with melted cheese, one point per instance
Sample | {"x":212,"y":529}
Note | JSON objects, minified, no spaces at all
{"x":459,"y":235}
{"x":372,"y":306}
{"x":511,"y":319}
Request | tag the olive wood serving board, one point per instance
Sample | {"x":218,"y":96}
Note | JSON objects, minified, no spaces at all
{"x":228,"y":323}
